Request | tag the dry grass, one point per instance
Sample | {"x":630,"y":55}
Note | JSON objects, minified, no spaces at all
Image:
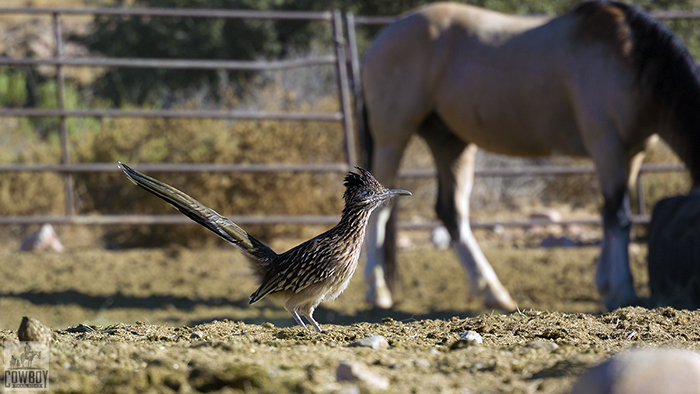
{"x":214,"y":141}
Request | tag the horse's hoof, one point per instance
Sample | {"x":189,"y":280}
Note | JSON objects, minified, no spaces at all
{"x":612,"y":303}
{"x":380,"y":298}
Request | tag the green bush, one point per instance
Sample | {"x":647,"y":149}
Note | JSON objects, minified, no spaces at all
{"x":12,"y":88}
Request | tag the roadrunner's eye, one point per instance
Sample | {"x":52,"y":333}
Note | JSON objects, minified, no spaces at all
{"x":364,"y":193}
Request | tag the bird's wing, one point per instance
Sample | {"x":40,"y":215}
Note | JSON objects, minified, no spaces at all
{"x":297,"y":269}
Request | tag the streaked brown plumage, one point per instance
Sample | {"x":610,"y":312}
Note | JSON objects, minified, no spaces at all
{"x":314,"y":271}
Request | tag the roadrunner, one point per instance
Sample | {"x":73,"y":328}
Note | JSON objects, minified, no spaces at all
{"x":314,"y":271}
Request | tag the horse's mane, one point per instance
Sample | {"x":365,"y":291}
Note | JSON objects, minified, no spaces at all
{"x":665,"y":66}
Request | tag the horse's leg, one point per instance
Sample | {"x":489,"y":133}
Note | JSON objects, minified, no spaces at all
{"x":385,"y":165}
{"x":455,"y":164}
{"x":391,"y":272}
{"x":613,"y":276}
{"x":635,"y":163}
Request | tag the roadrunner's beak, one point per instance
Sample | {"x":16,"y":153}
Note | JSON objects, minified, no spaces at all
{"x":396,"y":192}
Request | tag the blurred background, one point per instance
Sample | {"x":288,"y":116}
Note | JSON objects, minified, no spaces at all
{"x":163,"y":140}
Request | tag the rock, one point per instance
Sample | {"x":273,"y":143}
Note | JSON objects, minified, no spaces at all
{"x":422,"y":363}
{"x":197,"y":335}
{"x":43,"y":239}
{"x":545,"y":345}
{"x":374,"y":342}
{"x":646,"y":371}
{"x":471,"y":336}
{"x":403,"y":242}
{"x":441,"y":237}
{"x":349,"y":371}
{"x":31,"y":330}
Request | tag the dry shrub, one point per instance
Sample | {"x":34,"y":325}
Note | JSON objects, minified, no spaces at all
{"x":578,"y":191}
{"x":27,"y":193}
{"x":583,"y":191}
{"x":212,"y":141}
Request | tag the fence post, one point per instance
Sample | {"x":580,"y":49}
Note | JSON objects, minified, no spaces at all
{"x":354,"y":64}
{"x":641,"y":202}
{"x":60,"y":86}
{"x":344,"y":88}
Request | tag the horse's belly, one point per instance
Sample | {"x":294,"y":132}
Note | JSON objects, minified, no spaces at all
{"x":527,"y":142}
{"x":514,"y":115}
{"x":524,"y":128}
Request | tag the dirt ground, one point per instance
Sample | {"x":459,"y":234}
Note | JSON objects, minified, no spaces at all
{"x":178,"y":320}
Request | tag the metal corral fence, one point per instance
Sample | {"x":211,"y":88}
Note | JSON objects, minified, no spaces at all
{"x":345,"y":57}
{"x":344,"y":116}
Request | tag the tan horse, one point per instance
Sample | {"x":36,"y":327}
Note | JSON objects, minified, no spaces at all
{"x":597,"y":82}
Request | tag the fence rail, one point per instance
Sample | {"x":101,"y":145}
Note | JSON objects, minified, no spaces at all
{"x":175,"y":12}
{"x":181,"y":113}
{"x":248,"y":65}
{"x":59,"y":61}
{"x":662,"y":15}
{"x":345,"y":53}
{"x":279,"y":219}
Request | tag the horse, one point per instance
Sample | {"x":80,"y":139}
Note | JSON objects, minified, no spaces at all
{"x":28,"y":357}
{"x":597,"y":82}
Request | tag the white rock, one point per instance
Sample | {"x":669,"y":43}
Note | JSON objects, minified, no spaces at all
{"x":43,"y":239}
{"x":441,"y":237}
{"x":404,"y":242}
{"x":349,"y":371}
{"x":196,"y":335}
{"x":471,"y":336}
{"x":375,"y":342}
{"x":647,"y":371}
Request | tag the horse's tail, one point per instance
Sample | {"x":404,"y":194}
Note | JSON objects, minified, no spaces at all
{"x":666,"y":68}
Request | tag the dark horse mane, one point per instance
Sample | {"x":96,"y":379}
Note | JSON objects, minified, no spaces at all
{"x":665,"y":66}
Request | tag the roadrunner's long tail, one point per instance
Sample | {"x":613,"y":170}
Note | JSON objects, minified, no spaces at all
{"x":207,"y":217}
